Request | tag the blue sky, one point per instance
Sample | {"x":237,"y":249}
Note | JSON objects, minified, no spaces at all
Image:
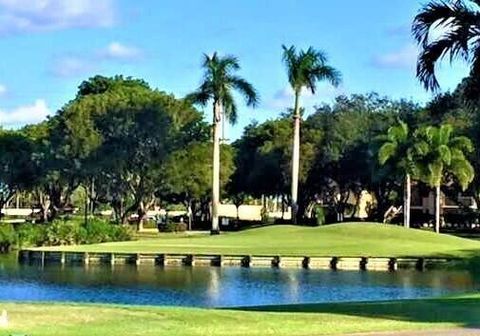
{"x":49,"y":46}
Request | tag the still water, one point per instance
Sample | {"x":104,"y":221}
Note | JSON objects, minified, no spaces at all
{"x":219,"y":287}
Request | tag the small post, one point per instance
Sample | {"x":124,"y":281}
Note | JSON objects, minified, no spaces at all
{"x":392,"y":264}
{"x":246,"y":261}
{"x":420,"y":264}
{"x":333,"y":263}
{"x":276,"y":261}
{"x":363,"y":264}
{"x":62,"y":258}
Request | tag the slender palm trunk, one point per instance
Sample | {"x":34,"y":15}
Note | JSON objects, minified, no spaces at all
{"x":437,"y":209}
{"x":217,"y":114}
{"x":295,"y":157}
{"x":407,"y":201}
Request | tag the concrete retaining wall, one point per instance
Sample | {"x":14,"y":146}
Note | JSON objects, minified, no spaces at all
{"x":162,"y":259}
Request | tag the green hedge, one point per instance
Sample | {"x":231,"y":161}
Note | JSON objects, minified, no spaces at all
{"x":62,"y":232}
{"x":7,"y":237}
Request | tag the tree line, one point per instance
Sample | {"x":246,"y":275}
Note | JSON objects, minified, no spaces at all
{"x":128,"y":145}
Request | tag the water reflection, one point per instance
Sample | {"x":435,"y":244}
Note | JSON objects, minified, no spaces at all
{"x":210,"y":286}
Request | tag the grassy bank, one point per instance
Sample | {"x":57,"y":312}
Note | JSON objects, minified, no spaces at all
{"x":352,"y":239}
{"x":322,"y":319}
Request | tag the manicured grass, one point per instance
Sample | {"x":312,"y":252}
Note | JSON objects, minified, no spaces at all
{"x":86,"y":320}
{"x":353,"y":239}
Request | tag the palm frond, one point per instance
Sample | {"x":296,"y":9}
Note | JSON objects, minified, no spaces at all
{"x":462,"y":143}
{"x":199,"y":97}
{"x":229,"y":108}
{"x":444,"y":133}
{"x":458,"y":24}
{"x":463,"y":171}
{"x":246,"y":89}
{"x":428,"y":59}
{"x":433,"y":15}
{"x":328,"y":73}
{"x":445,"y":154}
{"x":386,"y":152}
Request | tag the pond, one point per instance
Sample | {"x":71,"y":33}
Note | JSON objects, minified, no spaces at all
{"x":219,"y":287}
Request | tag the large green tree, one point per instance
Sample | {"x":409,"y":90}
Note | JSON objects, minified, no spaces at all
{"x":121,"y":135}
{"x":441,"y":155}
{"x":218,"y":86}
{"x":186,"y":175}
{"x":305,"y":69}
{"x":17,"y":165}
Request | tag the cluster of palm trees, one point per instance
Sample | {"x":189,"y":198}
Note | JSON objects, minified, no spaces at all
{"x":443,"y":28}
{"x":430,"y":154}
{"x":304,"y":69}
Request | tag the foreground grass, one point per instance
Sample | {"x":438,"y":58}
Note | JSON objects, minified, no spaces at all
{"x":322,"y":319}
{"x":354,"y":239}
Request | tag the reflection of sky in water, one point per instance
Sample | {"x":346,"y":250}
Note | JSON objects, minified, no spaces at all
{"x":219,"y":287}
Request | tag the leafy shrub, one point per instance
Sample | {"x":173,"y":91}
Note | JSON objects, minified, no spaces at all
{"x":7,"y":237}
{"x":69,"y":232}
{"x":30,"y":235}
{"x":61,"y":233}
{"x":173,"y":227}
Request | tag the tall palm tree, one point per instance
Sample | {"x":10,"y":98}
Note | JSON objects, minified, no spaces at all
{"x":439,"y":155}
{"x":398,"y":147}
{"x":218,"y":84}
{"x":447,"y":29}
{"x":304,"y":69}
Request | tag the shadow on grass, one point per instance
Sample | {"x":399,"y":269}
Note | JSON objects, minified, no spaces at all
{"x":462,"y":311}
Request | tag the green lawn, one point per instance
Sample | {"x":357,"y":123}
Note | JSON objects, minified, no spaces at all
{"x":351,"y":239}
{"x":86,"y":320}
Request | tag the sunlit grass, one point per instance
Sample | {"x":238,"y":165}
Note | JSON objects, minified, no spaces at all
{"x":351,"y":239}
{"x":322,"y":319}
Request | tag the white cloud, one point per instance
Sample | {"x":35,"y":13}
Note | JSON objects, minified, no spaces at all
{"x":80,"y":64}
{"x":119,"y":51}
{"x":3,"y":90}
{"x":284,"y":98}
{"x":26,"y":114}
{"x":404,"y":58}
{"x":70,"y":66}
{"x":26,"y":16}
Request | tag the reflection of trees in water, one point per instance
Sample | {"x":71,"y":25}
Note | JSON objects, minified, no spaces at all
{"x":214,"y":285}
{"x":293,"y":286}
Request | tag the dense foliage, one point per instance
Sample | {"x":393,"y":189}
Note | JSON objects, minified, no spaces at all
{"x":121,"y":145}
{"x":61,"y":232}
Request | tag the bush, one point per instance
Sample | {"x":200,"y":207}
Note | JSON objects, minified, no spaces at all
{"x":70,"y":232}
{"x":30,"y":235}
{"x":174,"y":227}
{"x":7,"y":237}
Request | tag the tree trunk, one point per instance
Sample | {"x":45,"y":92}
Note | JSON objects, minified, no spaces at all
{"x":407,"y":201}
{"x":437,"y":209}
{"x":189,"y":214}
{"x":295,"y":157}
{"x":217,"y":116}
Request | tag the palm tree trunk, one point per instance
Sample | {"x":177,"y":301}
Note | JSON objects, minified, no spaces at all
{"x":295,"y":157}
{"x":407,"y":201}
{"x":437,"y":209}
{"x":216,"y":167}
